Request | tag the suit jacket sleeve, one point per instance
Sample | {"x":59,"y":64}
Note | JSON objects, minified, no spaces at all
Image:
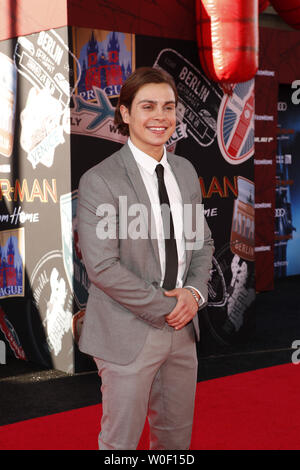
{"x":102,"y":259}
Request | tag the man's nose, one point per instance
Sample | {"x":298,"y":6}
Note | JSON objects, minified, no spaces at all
{"x":159,"y":114}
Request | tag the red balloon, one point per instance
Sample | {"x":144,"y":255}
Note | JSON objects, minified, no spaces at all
{"x":262,"y":5}
{"x":227,"y":36}
{"x":289,"y":11}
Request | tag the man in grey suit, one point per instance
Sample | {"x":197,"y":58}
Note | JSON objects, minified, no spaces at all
{"x":148,"y":272}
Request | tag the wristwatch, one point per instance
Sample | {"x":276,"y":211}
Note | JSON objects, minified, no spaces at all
{"x":199,"y":301}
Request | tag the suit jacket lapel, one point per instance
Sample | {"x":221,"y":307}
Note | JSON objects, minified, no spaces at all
{"x":141,"y":194}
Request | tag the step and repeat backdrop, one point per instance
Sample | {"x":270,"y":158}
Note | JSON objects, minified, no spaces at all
{"x":58,"y":91}
{"x":276,"y":163}
{"x":287,"y":215}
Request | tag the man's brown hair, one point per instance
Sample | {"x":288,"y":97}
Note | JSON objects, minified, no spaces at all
{"x":140,"y":77}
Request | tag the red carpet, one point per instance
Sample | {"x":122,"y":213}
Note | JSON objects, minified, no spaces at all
{"x":253,"y":410}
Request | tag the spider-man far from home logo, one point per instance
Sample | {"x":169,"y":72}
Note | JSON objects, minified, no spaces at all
{"x":11,"y":263}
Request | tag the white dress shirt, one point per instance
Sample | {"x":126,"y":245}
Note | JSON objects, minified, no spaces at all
{"x":147,"y":165}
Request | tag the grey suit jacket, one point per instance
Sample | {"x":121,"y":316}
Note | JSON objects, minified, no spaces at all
{"x":125,"y":300}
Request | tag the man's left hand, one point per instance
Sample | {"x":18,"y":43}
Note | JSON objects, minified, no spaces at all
{"x":185,"y":309}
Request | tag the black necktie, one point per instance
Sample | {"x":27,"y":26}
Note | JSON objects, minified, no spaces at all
{"x":170,"y":241}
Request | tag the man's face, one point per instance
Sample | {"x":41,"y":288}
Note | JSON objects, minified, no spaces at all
{"x":152,"y":118}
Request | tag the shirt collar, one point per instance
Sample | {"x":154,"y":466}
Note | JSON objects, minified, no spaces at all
{"x":146,"y":161}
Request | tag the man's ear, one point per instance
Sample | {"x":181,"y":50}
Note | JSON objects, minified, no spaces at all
{"x":124,"y":113}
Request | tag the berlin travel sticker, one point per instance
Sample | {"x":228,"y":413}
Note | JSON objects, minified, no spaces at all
{"x":242,"y":239}
{"x":196,"y":109}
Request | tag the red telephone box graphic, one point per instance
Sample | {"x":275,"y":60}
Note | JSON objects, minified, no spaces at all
{"x":243,"y":222}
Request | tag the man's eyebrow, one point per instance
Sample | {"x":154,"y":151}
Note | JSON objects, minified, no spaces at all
{"x":155,"y":102}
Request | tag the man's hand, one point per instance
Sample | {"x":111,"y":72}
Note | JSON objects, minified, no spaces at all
{"x":185,"y":309}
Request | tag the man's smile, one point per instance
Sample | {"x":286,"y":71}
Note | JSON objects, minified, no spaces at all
{"x":157,"y":129}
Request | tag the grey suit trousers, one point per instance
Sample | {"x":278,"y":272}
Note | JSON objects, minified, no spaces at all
{"x":160,"y":383}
